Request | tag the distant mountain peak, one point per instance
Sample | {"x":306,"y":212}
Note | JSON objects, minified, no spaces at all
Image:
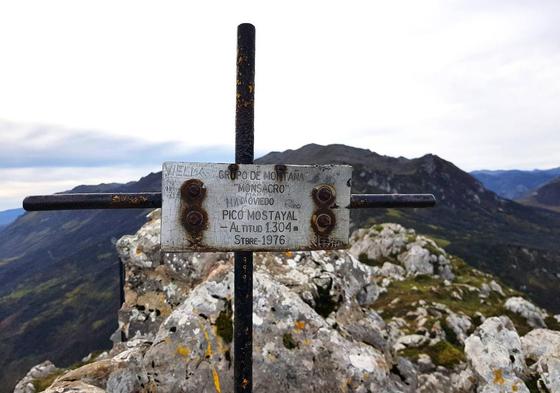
{"x":546,"y":196}
{"x":515,"y":183}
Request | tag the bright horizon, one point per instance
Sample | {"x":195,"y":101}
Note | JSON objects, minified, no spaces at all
{"x":104,"y":92}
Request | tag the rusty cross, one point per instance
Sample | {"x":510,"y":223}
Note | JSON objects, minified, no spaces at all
{"x":244,"y":154}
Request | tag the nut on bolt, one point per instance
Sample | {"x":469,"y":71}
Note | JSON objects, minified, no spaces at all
{"x":324,"y":195}
{"x":193,"y":190}
{"x":194,"y":220}
{"x":323,"y":221}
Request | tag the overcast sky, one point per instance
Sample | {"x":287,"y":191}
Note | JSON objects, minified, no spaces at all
{"x":105,"y":91}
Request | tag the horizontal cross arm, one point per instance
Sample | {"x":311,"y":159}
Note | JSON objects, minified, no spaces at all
{"x":140,"y":200}
{"x":150,"y":200}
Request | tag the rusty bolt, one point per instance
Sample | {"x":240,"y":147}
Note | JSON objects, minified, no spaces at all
{"x":233,"y":168}
{"x":324,"y":194}
{"x":195,"y":218}
{"x":324,"y":220}
{"x":193,"y":191}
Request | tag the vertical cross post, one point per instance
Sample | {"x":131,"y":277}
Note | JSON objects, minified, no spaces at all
{"x":244,"y":151}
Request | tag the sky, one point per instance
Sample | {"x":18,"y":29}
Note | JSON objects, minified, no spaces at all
{"x":105,"y":91}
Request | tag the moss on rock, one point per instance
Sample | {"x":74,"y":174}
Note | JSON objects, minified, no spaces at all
{"x":224,"y":324}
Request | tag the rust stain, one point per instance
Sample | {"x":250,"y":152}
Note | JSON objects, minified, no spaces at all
{"x":233,"y":168}
{"x":195,"y":221}
{"x":280,"y":170}
{"x":300,"y":325}
{"x":194,"y":218}
{"x":116,"y":199}
{"x":324,"y":195}
{"x":244,"y":383}
{"x":322,"y":227}
{"x":499,"y":377}
{"x":193,"y":191}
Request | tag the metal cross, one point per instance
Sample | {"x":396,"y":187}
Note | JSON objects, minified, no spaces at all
{"x":244,"y":154}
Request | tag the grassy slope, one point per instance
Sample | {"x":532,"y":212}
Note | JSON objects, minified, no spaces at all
{"x":60,"y":275}
{"x":403,"y":298}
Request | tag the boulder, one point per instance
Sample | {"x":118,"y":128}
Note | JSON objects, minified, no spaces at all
{"x":543,"y":347}
{"x":417,"y":254}
{"x":380,"y":241}
{"x":534,"y":315}
{"x":495,"y":356}
{"x":460,"y":324}
{"x":38,"y":372}
{"x":294,"y":349}
{"x":74,"y":387}
{"x":417,"y":260}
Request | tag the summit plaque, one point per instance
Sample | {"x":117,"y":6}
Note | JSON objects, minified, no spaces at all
{"x":234,"y":207}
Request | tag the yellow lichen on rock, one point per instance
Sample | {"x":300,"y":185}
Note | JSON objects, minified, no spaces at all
{"x":216,"y":378}
{"x":183,"y":351}
{"x":499,"y":377}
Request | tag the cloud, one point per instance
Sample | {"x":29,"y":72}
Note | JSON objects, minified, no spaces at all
{"x":16,"y":183}
{"x":28,"y":146}
{"x":39,"y":159}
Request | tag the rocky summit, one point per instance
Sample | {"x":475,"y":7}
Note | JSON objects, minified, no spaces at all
{"x":394,"y":313}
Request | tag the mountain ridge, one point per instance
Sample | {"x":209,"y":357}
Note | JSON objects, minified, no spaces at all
{"x":515,"y":184}
{"x":546,"y":196}
{"x":8,"y":216}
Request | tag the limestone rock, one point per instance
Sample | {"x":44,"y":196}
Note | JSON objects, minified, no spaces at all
{"x":417,"y":254}
{"x":494,"y":353}
{"x":543,"y":347}
{"x":410,"y":341}
{"x":156,"y":282}
{"x":384,"y":241}
{"x":425,"y":364}
{"x":40,"y":371}
{"x":494,"y":286}
{"x":393,"y":271}
{"x":460,"y":324}
{"x":540,"y":342}
{"x":121,"y":372}
{"x":534,"y":315}
{"x":294,"y":348}
{"x":417,"y":260}
{"x":74,"y":387}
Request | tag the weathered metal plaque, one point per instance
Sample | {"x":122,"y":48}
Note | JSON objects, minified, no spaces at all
{"x":230,"y":207}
